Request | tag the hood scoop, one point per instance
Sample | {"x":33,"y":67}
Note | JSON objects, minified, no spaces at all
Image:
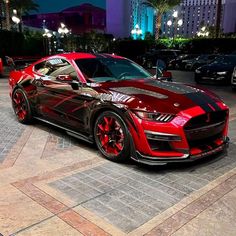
{"x":134,"y":91}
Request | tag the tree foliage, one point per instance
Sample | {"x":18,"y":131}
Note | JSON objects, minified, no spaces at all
{"x":161,"y":6}
{"x":23,"y":7}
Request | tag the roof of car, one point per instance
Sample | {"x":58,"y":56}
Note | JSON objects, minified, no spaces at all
{"x":83,"y":55}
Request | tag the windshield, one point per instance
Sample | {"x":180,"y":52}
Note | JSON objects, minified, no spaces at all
{"x":226,"y":60}
{"x":110,"y":69}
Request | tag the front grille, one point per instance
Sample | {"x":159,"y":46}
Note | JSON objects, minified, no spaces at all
{"x":206,"y":119}
{"x":205,"y":129}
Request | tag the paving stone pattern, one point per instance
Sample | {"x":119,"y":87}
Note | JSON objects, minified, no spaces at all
{"x":128,"y":196}
{"x":10,"y":128}
{"x":62,"y":141}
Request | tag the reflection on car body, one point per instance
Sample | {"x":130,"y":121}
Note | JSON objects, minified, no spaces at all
{"x":113,"y":102}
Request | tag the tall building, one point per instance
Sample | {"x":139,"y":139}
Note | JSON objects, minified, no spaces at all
{"x":79,"y":19}
{"x":126,"y":16}
{"x":198,"y":13}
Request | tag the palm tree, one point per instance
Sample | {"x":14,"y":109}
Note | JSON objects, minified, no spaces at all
{"x":7,"y":13}
{"x":218,"y":18}
{"x":23,"y":7}
{"x":161,"y":6}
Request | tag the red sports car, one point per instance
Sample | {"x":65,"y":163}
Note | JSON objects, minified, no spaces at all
{"x":115,"y":103}
{"x":1,"y":67}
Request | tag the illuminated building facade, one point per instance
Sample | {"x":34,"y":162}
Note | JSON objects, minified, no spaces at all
{"x":79,"y":19}
{"x":198,"y":13}
{"x":124,"y":16}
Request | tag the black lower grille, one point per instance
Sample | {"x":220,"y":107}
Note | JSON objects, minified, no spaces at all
{"x":205,"y":143}
{"x":157,"y":145}
{"x":207,"y":119}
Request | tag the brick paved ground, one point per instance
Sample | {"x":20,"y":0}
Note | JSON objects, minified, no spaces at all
{"x":52,"y":184}
{"x":129,"y":196}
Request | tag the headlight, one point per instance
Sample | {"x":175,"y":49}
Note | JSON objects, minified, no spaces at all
{"x":197,"y":71}
{"x":159,"y":117}
{"x":222,"y":73}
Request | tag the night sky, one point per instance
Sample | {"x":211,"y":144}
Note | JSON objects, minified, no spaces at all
{"x":47,"y":6}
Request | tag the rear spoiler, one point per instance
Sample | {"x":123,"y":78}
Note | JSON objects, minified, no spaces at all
{"x":19,"y":63}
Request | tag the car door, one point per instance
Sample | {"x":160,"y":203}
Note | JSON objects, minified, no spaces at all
{"x":59,"y":102}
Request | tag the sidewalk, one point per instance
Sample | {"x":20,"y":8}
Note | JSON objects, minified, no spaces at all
{"x":52,"y":184}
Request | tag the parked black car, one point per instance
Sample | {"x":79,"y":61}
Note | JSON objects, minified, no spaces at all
{"x":149,"y":59}
{"x":219,"y":71}
{"x":180,"y":62}
{"x":200,"y":61}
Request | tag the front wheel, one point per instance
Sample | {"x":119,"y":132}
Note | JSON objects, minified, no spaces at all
{"x":111,"y":136}
{"x":21,"y":106}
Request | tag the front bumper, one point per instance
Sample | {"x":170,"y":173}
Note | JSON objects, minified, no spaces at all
{"x":192,"y":135}
{"x":212,"y":78}
{"x":150,"y":160}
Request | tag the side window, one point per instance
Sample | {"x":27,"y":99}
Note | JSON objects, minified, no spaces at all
{"x":40,"y":67}
{"x":56,"y":67}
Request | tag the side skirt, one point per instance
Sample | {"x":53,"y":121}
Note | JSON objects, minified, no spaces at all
{"x":68,"y":131}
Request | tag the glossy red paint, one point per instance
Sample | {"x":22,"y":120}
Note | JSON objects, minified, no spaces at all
{"x":199,"y":119}
{"x":1,"y":67}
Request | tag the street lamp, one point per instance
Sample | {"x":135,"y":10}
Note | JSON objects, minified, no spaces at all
{"x":175,"y":14}
{"x":15,"y":18}
{"x":176,"y":22}
{"x":48,"y":35}
{"x":136,"y":32}
{"x":169,"y":23}
{"x":203,"y":32}
{"x":63,"y":30}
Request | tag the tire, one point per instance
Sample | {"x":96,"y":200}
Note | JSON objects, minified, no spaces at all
{"x":21,"y":106}
{"x":112,"y":136}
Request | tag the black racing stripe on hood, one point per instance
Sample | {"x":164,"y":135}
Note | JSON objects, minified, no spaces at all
{"x":172,"y":87}
{"x":204,"y":101}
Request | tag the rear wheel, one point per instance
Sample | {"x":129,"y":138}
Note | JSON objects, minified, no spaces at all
{"x":21,"y":106}
{"x":111,"y":136}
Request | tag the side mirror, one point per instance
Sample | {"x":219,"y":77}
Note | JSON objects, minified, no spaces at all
{"x":75,"y":85}
{"x":64,"y":78}
{"x":167,"y":75}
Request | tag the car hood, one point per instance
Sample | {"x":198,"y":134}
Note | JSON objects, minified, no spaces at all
{"x":217,"y":67}
{"x":153,"y":95}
